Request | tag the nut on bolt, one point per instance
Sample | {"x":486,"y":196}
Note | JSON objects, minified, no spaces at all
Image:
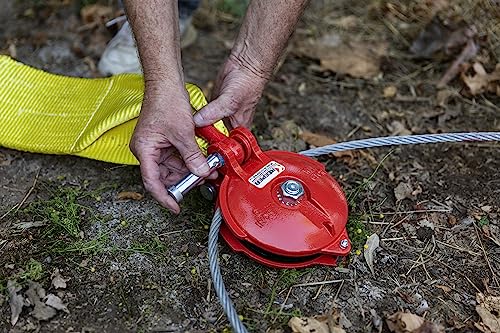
{"x":292,"y":189}
{"x":344,"y":243}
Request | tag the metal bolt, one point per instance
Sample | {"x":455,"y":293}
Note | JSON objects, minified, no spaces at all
{"x":344,"y":243}
{"x":292,"y":189}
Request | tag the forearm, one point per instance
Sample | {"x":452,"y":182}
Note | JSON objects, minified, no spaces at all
{"x":264,"y":33}
{"x":156,"y":29}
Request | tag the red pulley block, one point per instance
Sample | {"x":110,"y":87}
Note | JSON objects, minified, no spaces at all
{"x":280,"y":208}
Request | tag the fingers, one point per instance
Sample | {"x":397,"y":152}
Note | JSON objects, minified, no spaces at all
{"x":192,"y":156}
{"x":213,"y":112}
{"x":151,"y":178}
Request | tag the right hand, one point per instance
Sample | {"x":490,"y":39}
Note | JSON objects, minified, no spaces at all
{"x":164,"y":131}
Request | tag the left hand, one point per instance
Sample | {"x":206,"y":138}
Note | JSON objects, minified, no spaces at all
{"x":237,"y":91}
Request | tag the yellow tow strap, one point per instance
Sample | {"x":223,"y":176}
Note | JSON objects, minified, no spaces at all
{"x":94,"y":118}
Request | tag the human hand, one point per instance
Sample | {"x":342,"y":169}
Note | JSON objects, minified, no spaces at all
{"x":237,"y":91}
{"x":164,"y":131}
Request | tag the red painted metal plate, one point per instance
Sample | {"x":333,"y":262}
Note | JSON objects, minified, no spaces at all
{"x":256,"y":213}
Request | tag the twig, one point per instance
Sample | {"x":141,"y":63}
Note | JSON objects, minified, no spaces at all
{"x":395,"y":225}
{"x":457,"y":248}
{"x":179,"y":231}
{"x":16,"y":207}
{"x":398,"y":238}
{"x":416,"y":211}
{"x":283,"y":304}
{"x":310,"y":284}
{"x":447,"y":266}
{"x":319,"y":289}
{"x":338,"y":291}
{"x":209,"y":287}
{"x":486,"y":256}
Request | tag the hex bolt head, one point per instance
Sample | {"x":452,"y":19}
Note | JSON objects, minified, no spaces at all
{"x":344,"y":243}
{"x":292,"y":189}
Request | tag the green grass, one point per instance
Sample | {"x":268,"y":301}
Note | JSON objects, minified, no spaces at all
{"x":484,"y":221}
{"x":151,"y":247}
{"x":81,"y":247}
{"x":358,"y":232}
{"x":356,"y":226}
{"x":33,"y":271}
{"x":64,"y":216}
{"x":62,"y":211}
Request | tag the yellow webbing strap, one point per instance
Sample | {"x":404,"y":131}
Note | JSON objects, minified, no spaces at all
{"x":53,"y":114}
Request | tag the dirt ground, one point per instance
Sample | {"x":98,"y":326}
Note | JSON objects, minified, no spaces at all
{"x":130,"y":266}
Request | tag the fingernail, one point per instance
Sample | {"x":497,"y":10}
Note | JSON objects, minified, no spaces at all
{"x":203,"y":169}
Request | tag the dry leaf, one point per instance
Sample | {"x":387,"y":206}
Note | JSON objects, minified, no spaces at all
{"x":488,"y":309}
{"x":41,"y":311}
{"x":58,"y":281}
{"x":398,"y":128}
{"x":16,"y":301}
{"x":319,"y":140}
{"x":403,"y":191}
{"x":96,"y":13}
{"x":482,"y":81}
{"x":390,"y":91}
{"x":438,"y":37}
{"x":404,"y":322}
{"x":316,"y":140}
{"x":444,"y":288}
{"x":372,"y":244}
{"x":469,"y":51}
{"x":318,"y":324}
{"x":127,"y":195}
{"x":357,"y":58}
{"x":55,"y":302}
{"x":307,"y":325}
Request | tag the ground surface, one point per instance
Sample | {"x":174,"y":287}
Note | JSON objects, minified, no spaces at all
{"x":133,"y":267}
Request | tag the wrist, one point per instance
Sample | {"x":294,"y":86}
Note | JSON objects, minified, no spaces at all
{"x":241,"y":59}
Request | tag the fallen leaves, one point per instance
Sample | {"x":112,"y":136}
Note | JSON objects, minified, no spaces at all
{"x":16,"y":301}
{"x":405,"y":322}
{"x":488,"y":309}
{"x":359,"y":59}
{"x":129,"y":195}
{"x":317,"y":140}
{"x":44,"y":307}
{"x":371,"y":245}
{"x":41,"y":311}
{"x":403,"y":191}
{"x":319,"y":324}
{"x":58,"y":281}
{"x":482,"y":81}
{"x":438,"y":38}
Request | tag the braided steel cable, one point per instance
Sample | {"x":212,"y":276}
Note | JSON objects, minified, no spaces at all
{"x":213,"y":236}
{"x":402,"y":140}
{"x":220,"y":288}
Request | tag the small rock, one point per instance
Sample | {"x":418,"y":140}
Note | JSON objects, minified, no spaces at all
{"x":422,"y":307}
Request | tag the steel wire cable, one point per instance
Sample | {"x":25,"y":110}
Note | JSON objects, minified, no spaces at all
{"x":213,"y":236}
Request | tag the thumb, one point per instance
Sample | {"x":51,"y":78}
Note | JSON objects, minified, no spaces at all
{"x":212,"y":112}
{"x":193,"y":158}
